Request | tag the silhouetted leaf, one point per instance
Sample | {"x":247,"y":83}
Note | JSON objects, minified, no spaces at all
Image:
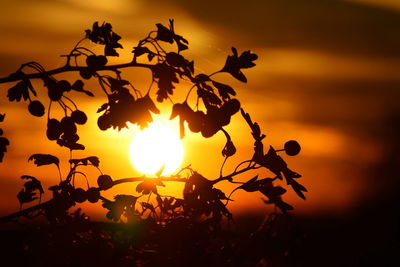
{"x":169,"y":36}
{"x":104,"y":35}
{"x":298,"y":188}
{"x":85,"y":161}
{"x":44,"y":159}
{"x":123,"y":205}
{"x":78,"y":86}
{"x":224,"y":90}
{"x":201,"y":78}
{"x":165,"y":76}
{"x":20,"y":90}
{"x":147,"y":206}
{"x":32,"y":184}
{"x":143,"y":116}
{"x":146,"y":187}
{"x":2,"y":116}
{"x":250,"y":185}
{"x":140,"y":50}
{"x":184,"y":112}
{"x":3,"y":147}
{"x":234,"y":63}
{"x":26,"y":196}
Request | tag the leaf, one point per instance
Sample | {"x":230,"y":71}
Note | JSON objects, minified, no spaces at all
{"x":2,"y":116}
{"x":78,"y":86}
{"x":123,"y":205}
{"x":169,"y":36}
{"x":20,"y":90}
{"x":146,"y":187}
{"x":166,"y":76}
{"x":147,"y":206}
{"x":3,"y":147}
{"x":250,"y":185}
{"x":224,"y":90}
{"x":33,"y":184}
{"x":234,"y":64}
{"x":140,"y":50}
{"x":105,"y":36}
{"x":298,"y":188}
{"x":201,"y":78}
{"x":26,"y":196}
{"x":44,"y":159}
{"x":85,"y":161}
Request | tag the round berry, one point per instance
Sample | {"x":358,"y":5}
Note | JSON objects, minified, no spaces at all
{"x":79,"y":117}
{"x":86,"y":74}
{"x":36,"y":108}
{"x":105,"y":182}
{"x":54,"y":130}
{"x":91,"y":61}
{"x":103,"y":122}
{"x":292,"y":148}
{"x":93,"y":194}
{"x":64,"y":86}
{"x":68,"y":126}
{"x":101,"y":61}
{"x":79,"y":195}
{"x":54,"y":93}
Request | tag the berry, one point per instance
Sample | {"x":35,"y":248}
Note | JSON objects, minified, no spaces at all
{"x":103,"y":122}
{"x":53,"y":131}
{"x":86,"y":74}
{"x":105,"y":182}
{"x":36,"y":108}
{"x":68,"y":126}
{"x":64,"y":86}
{"x":79,"y":195}
{"x":292,"y":148}
{"x":93,"y":194}
{"x":91,"y":61}
{"x":54,"y":93}
{"x":79,"y":117}
{"x":101,"y":61}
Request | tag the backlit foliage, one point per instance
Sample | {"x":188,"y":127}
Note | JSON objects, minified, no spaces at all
{"x":202,"y":205}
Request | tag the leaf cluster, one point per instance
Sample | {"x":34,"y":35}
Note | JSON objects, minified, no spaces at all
{"x":214,"y":105}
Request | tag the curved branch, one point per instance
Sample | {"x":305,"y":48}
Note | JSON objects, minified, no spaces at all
{"x":26,"y":211}
{"x":17,"y":76}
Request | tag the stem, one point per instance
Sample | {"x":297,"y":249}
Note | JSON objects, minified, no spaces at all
{"x":13,"y":77}
{"x":156,"y":179}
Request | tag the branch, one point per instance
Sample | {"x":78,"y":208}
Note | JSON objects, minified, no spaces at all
{"x":17,"y":76}
{"x":26,"y":211}
{"x":155,"y":179}
{"x":230,"y":176}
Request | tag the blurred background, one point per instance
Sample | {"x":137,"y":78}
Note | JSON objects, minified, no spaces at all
{"x":328,"y":76}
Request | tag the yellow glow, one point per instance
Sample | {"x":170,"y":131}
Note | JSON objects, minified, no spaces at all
{"x":157,"y":146}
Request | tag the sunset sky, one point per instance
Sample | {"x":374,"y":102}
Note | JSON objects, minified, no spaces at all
{"x":328,"y":76}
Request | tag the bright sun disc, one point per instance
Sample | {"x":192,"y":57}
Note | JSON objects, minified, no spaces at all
{"x":157,"y":146}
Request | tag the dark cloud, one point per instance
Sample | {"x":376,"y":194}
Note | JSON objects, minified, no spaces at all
{"x":304,"y":24}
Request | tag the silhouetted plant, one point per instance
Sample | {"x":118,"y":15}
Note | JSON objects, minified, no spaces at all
{"x":202,"y":204}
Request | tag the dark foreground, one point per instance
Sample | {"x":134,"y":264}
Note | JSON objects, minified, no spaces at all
{"x":368,"y":239}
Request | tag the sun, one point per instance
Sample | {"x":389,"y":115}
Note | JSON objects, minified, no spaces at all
{"x":156,"y":147}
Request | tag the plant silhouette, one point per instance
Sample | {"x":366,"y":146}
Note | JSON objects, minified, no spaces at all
{"x":203,"y":207}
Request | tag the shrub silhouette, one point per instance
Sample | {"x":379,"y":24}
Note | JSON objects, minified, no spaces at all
{"x":203,"y":207}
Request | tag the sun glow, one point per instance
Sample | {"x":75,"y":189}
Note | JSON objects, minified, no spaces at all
{"x":156,"y":147}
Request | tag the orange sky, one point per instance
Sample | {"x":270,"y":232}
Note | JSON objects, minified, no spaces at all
{"x":327,"y":76}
